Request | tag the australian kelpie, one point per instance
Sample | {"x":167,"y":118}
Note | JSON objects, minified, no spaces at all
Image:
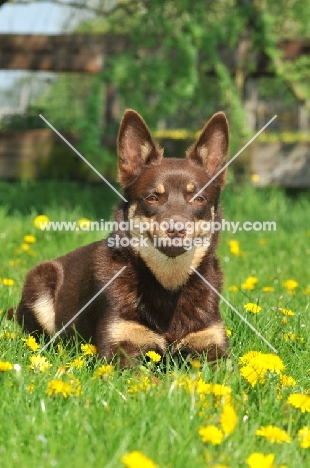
{"x":164,"y":230}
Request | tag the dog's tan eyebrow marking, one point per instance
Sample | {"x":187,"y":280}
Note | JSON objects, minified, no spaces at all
{"x":160,"y":189}
{"x":190,"y":187}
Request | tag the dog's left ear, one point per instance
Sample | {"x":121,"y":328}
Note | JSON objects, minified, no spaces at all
{"x":211,"y":148}
{"x":136,"y":147}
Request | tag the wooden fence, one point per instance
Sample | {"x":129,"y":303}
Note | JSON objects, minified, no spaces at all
{"x":42,"y":154}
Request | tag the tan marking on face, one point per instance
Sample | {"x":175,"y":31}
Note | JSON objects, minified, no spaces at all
{"x":199,"y":254}
{"x":204,"y":339}
{"x":160,"y":189}
{"x":190,"y":187}
{"x":132,"y":211}
{"x":44,"y":311}
{"x":126,"y":330}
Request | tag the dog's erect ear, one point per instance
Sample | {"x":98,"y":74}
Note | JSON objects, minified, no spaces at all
{"x":136,"y":147}
{"x":211,"y":148}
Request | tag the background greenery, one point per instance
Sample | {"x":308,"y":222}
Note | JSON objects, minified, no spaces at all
{"x":175,"y":70}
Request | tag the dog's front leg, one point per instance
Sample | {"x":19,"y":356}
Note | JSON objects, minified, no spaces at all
{"x":126,"y":341}
{"x":211,"y":341}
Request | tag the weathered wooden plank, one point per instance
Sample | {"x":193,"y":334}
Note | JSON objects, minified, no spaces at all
{"x":37,"y":154}
{"x":281,"y":164}
{"x":65,"y":52}
{"x":87,"y":52}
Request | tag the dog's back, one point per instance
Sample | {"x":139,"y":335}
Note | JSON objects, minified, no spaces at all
{"x":158,"y":302}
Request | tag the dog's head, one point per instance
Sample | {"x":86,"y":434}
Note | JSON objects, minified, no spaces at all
{"x":174,"y":201}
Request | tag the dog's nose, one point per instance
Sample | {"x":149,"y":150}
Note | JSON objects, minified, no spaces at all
{"x":175,"y":233}
{"x":176,"y":229}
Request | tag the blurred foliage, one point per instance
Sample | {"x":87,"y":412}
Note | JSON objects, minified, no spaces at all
{"x":173,"y":72}
{"x":27,"y":121}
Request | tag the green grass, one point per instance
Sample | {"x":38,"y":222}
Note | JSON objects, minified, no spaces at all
{"x":112,"y":416}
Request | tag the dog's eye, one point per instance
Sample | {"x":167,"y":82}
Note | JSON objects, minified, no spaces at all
{"x":151,"y":199}
{"x":199,"y":200}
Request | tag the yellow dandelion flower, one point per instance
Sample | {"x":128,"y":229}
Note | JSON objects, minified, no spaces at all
{"x":289,"y":336}
{"x":9,"y":335}
{"x":268,"y":289}
{"x":300,"y":401}
{"x":214,"y":389}
{"x":141,"y":385}
{"x":186,"y":382}
{"x":234,"y":247}
{"x":88,"y":349}
{"x":287,"y":381}
{"x":304,"y":437}
{"x":255,"y":178}
{"x":5,"y":366}
{"x":41,"y":221}
{"x":137,"y":459}
{"x":247,"y":357}
{"x":154,"y":357}
{"x":262,"y":241}
{"x":284,"y":320}
{"x":29,"y":239}
{"x":228,"y":419}
{"x":270,"y":362}
{"x":252,"y":375}
{"x":290,"y":284}
{"x":228,"y":332}
{"x":30,"y":387}
{"x":249,"y":283}
{"x":14,"y":262}
{"x":30,"y":341}
{"x":233,"y":288}
{"x":256,"y":364}
{"x":195,"y":364}
{"x":61,"y":350}
{"x":251,"y":307}
{"x":76,"y":363}
{"x":39,"y":363}
{"x":211,"y":434}
{"x":251,"y":279}
{"x":259,"y":460}
{"x":286,"y":312}
{"x":84,"y":224}
{"x":104,"y":370}
{"x":25,"y":247}
{"x":8,"y":282}
{"x":59,"y":387}
{"x":274,"y":434}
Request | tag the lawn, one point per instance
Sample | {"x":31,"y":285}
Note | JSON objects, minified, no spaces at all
{"x":67,"y":409}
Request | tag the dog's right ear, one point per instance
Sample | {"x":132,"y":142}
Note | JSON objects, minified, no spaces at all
{"x":136,"y":147}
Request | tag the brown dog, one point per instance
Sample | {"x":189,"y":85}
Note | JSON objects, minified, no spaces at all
{"x":158,"y":302}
